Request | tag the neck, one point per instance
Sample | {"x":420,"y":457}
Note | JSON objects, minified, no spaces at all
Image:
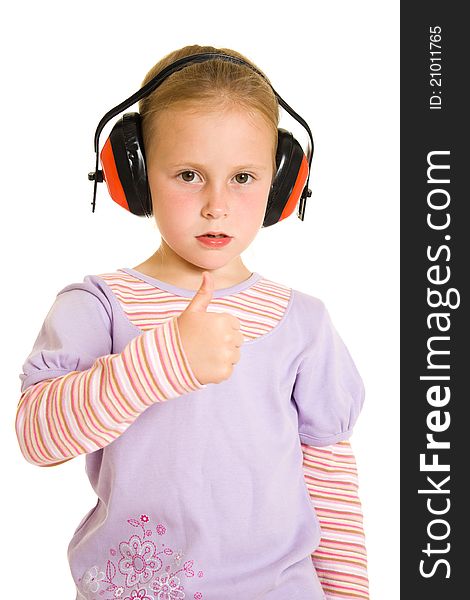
{"x":168,"y":266}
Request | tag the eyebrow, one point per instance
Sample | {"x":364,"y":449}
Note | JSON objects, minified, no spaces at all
{"x":198,"y":166}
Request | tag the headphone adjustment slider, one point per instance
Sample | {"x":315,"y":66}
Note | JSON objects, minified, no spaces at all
{"x":303,"y":201}
{"x":96,"y":176}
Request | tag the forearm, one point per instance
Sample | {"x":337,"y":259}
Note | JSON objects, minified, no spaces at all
{"x":340,"y":560}
{"x":82,"y":411}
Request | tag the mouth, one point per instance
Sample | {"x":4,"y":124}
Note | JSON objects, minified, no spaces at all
{"x":214,"y":239}
{"x":214,"y":234}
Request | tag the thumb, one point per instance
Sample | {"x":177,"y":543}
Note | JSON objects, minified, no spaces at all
{"x":203,"y":296}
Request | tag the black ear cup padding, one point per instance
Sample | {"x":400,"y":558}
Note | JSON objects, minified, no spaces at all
{"x":289,"y":156}
{"x":128,"y":149}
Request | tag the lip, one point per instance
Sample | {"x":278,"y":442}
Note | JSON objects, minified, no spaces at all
{"x":214,"y":233}
{"x":210,"y":242}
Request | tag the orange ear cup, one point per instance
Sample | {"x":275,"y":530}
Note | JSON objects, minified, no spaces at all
{"x":289,"y":180}
{"x":111,"y":175}
{"x":124,"y":166}
{"x":297,"y":190}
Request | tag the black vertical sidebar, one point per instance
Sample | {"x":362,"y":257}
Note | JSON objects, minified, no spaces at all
{"x":435,"y":320}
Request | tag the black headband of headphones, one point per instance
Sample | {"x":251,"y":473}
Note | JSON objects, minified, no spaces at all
{"x":176,"y":66}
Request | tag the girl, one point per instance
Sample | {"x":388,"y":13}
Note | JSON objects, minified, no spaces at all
{"x":213,"y":405}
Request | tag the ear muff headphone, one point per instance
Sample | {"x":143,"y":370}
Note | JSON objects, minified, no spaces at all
{"x":124,"y":166}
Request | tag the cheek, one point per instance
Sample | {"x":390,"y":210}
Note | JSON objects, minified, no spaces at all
{"x":170,"y":205}
{"x":257,"y":203}
{"x":170,"y":214}
{"x":248,"y":212}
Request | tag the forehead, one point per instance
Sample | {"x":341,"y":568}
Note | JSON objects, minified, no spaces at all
{"x":193,"y":117}
{"x":199,"y":129}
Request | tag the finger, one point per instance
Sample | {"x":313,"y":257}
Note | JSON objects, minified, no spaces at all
{"x":202,"y":298}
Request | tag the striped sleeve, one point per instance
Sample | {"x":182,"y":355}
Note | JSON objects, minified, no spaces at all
{"x":66,"y":409}
{"x":340,"y":560}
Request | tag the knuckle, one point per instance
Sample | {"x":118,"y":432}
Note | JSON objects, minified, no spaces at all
{"x":224,"y":369}
{"x":227,"y":371}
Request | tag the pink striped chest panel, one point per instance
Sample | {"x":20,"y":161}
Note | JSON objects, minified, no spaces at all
{"x":258,"y":308}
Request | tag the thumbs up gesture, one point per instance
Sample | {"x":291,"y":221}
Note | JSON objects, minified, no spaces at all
{"x":211,"y":341}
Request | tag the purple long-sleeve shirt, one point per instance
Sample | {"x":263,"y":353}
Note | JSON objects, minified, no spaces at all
{"x":203,"y":496}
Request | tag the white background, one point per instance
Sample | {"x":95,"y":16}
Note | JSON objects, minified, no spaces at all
{"x":64,"y":66}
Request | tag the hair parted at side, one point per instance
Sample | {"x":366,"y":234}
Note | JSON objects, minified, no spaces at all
{"x":212,"y":84}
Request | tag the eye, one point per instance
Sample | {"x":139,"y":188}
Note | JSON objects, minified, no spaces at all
{"x":185,"y":173}
{"x":245,"y":175}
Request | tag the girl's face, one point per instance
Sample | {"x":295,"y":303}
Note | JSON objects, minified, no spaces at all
{"x":209,"y":171}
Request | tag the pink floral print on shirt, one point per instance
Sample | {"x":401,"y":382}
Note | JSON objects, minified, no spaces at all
{"x":140,"y":570}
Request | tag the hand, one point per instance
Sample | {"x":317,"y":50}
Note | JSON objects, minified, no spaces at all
{"x":211,"y":341}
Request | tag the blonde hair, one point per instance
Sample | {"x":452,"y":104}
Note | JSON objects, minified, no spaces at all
{"x":210,"y":84}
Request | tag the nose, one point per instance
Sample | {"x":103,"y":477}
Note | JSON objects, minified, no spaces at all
{"x":215,"y":202}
